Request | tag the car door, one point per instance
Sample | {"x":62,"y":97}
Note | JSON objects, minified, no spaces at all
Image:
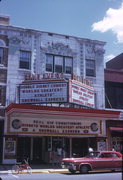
{"x":105,"y":161}
{"x":117,"y":161}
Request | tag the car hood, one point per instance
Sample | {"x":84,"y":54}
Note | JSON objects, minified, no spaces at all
{"x":77,"y":159}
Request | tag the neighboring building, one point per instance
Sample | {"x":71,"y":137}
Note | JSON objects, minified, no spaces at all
{"x":114,"y":83}
{"x":116,"y":63}
{"x":114,"y":100}
{"x":114,"y":88}
{"x":3,"y":85}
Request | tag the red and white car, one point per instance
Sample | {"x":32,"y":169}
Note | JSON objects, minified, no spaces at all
{"x":96,"y":160}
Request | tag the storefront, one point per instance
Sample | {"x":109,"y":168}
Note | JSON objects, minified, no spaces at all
{"x":115,"y":135}
{"x":40,"y":132}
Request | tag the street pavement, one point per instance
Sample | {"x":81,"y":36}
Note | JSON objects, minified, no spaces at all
{"x":37,"y":169}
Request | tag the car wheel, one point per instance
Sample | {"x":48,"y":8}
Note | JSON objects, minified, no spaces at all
{"x":72,"y":171}
{"x":84,"y":169}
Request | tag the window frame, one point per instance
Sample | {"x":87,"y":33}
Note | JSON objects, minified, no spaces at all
{"x":93,"y":69}
{"x":1,"y":55}
{"x":58,"y":67}
{"x":64,"y":59}
{"x":49,"y":64}
{"x":25,"y":61}
{"x":65,"y":66}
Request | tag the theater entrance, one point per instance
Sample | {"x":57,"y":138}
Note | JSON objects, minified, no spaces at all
{"x":23,"y":148}
{"x":79,"y":147}
{"x":37,"y":150}
{"x":31,"y":148}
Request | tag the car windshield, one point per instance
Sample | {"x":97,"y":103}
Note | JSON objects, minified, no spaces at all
{"x":93,"y":155}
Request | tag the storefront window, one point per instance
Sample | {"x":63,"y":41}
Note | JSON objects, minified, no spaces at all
{"x":117,"y":143}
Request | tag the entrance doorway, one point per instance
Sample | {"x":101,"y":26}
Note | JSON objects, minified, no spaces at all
{"x":31,"y":148}
{"x":37,"y":150}
{"x":79,"y":147}
{"x":23,"y":148}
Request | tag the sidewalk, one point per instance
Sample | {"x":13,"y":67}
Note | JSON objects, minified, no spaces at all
{"x":42,"y":168}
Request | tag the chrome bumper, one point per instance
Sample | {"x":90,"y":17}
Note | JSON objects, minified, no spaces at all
{"x":69,"y":166}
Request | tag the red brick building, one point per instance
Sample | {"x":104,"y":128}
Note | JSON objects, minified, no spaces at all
{"x":114,"y":100}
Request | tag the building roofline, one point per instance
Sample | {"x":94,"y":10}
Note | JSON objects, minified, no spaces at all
{"x":43,"y":31}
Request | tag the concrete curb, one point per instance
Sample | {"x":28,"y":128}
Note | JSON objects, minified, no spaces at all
{"x":37,"y":171}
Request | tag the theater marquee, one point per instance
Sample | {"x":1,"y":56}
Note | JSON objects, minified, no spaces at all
{"x":44,"y":92}
{"x":82,"y":94}
{"x":57,"y":92}
{"x":54,"y":127}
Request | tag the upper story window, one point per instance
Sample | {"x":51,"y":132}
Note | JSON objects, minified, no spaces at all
{"x":25,"y":60}
{"x":49,"y":63}
{"x":68,"y":65}
{"x":1,"y":55}
{"x":90,"y":68}
{"x":2,"y":95}
{"x":59,"y":64}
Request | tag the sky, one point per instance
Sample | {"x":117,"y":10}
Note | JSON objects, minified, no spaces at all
{"x":94,"y":19}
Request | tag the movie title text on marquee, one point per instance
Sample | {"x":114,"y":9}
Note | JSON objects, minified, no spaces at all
{"x":53,"y":126}
{"x":81,"y":94}
{"x":43,"y":92}
{"x":60,"y":91}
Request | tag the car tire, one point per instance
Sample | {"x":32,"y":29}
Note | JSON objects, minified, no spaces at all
{"x":72,"y":171}
{"x":84,"y":169}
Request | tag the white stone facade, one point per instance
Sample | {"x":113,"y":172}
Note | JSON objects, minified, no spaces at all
{"x":40,"y":43}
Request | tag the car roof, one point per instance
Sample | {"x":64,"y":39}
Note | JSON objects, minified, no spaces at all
{"x":106,"y":151}
{"x":118,"y":153}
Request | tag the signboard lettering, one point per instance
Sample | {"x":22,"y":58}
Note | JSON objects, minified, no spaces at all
{"x":44,"y":92}
{"x":55,"y":126}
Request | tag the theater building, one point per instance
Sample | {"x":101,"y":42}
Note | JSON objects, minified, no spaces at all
{"x":25,"y":51}
{"x":36,"y":131}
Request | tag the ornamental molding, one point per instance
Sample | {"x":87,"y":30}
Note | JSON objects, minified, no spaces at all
{"x":20,"y":40}
{"x":58,"y":48}
{"x":14,"y":40}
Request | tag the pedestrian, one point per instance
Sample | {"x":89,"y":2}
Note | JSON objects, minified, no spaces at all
{"x":59,"y":154}
{"x":90,"y":149}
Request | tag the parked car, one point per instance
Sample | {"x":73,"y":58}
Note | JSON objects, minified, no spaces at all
{"x":96,"y":160}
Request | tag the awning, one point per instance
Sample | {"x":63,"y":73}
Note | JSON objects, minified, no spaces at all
{"x":116,"y":129}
